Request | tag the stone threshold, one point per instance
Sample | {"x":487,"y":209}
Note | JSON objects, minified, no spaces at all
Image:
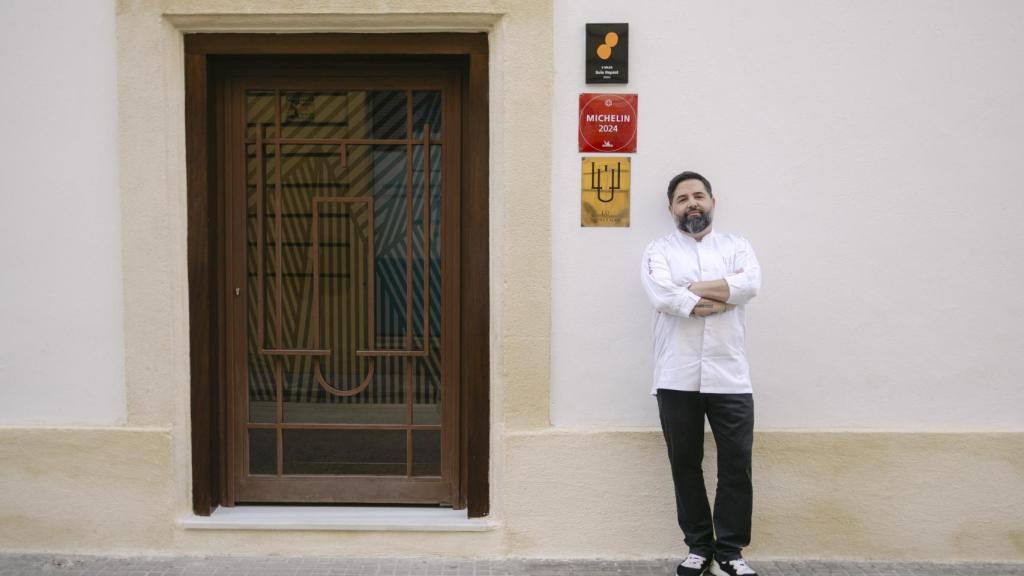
{"x":341,"y":518}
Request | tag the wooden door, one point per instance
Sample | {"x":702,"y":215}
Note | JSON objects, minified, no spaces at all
{"x":341,"y":202}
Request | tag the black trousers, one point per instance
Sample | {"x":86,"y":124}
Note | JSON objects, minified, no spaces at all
{"x":732,"y":422}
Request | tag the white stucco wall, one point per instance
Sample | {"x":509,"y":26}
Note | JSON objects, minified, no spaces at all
{"x":871,"y":153}
{"x":61,"y":333}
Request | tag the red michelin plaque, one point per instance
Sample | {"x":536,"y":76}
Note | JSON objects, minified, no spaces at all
{"x":608,"y":122}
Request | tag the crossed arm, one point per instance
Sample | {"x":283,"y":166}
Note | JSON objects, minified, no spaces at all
{"x":704,"y":298}
{"x":698,"y":300}
{"x":713,"y":295}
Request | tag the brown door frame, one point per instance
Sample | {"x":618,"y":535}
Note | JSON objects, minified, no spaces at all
{"x":206,"y":253}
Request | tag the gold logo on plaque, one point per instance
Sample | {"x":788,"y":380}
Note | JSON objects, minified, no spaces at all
{"x":604,"y":51}
{"x":605,"y":192}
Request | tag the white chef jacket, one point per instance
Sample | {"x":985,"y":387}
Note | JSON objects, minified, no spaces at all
{"x":691,"y":353}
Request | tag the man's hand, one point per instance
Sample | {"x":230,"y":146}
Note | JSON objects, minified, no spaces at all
{"x":707,"y":307}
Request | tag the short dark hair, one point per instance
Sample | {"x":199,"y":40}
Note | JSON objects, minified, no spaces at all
{"x":687,"y":176}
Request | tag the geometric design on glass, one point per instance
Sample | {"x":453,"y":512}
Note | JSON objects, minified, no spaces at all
{"x":303,"y":107}
{"x":344,"y":262}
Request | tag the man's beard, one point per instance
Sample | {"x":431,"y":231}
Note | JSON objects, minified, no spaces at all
{"x":694,"y":224}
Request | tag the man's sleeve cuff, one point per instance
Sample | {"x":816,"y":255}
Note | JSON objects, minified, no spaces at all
{"x":737,"y":284}
{"x":687,"y":300}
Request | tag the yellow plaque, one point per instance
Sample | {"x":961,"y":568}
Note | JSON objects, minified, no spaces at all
{"x":605,"y":192}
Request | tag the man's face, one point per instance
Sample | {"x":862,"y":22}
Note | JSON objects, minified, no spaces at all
{"x":692,"y":206}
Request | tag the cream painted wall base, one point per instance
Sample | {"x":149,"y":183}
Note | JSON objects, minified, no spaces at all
{"x":568,"y":494}
{"x":927,"y":496}
{"x":85,"y":489}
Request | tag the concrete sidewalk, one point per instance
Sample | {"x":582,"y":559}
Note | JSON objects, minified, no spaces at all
{"x":66,"y":565}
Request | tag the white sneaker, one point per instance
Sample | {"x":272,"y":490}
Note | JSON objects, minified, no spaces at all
{"x":694,"y":565}
{"x":737,"y":567}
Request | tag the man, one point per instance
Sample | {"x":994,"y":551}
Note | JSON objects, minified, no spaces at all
{"x":699,"y":282}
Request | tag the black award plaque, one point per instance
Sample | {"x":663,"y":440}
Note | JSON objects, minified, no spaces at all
{"x":607,"y":53}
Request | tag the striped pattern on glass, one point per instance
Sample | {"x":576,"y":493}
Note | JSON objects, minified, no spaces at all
{"x":350,"y":186}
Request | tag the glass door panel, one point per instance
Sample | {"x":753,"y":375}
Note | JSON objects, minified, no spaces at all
{"x":344,"y":277}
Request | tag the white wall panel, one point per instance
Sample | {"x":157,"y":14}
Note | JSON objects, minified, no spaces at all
{"x":61,"y":333}
{"x":871,"y":151}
